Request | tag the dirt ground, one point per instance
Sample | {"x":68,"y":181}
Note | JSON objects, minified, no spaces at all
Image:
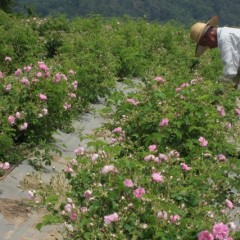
{"x":14,"y":211}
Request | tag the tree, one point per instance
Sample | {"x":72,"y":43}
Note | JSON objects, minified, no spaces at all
{"x":6,"y":5}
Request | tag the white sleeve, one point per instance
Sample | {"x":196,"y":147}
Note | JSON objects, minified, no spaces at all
{"x":230,"y":58}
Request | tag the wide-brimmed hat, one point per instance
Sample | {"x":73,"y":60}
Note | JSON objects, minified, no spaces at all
{"x":197,"y":32}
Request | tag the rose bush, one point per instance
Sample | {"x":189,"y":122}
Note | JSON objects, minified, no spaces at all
{"x":166,"y":172}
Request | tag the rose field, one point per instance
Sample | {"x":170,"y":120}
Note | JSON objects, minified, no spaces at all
{"x":168,"y":165}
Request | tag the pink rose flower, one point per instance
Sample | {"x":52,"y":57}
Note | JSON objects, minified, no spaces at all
{"x":220,"y":231}
{"x":128,"y":183}
{"x":71,"y":72}
{"x":24,"y":81}
{"x":237,"y":111}
{"x":203,"y":142}
{"x":174,"y":218}
{"x":66,"y":106}
{"x":138,"y":193}
{"x":23,"y":126}
{"x":157,"y":177}
{"x":132,"y":101}
{"x":111,"y":218}
{"x":42,"y":97}
{"x":222,"y":157}
{"x":174,"y":154}
{"x":185,"y":167}
{"x":88,"y":194}
{"x":229,"y":204}
{"x":221,"y":111}
{"x":73,"y":217}
{"x":68,"y":170}
{"x":68,"y":207}
{"x":8,"y":87}
{"x":94,"y":157}
{"x":108,"y":169}
{"x":43,"y":66}
{"x":162,"y":214}
{"x":18,"y":72}
{"x":11,"y":120}
{"x":27,"y":68}
{"x":164,"y":122}
{"x":8,"y":59}
{"x":117,"y":130}
{"x":18,"y":115}
{"x":152,"y":148}
{"x":163,"y":157}
{"x":79,"y":151}
{"x":149,"y":158}
{"x":228,"y":125}
{"x":4,"y":166}
{"x":75,"y":84}
{"x":72,"y":95}
{"x":205,"y":235}
{"x":31,"y":194}
{"x":159,"y":79}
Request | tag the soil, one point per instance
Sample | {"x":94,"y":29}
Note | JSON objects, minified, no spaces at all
{"x":15,"y":211}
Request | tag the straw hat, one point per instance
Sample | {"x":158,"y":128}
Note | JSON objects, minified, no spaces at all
{"x":197,"y":32}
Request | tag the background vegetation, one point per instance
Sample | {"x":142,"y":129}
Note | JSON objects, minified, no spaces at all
{"x":184,"y":12}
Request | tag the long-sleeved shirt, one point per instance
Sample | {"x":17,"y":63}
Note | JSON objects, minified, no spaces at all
{"x":229,"y":47}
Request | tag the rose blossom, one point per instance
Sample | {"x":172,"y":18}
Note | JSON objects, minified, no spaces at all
{"x":4,"y":166}
{"x":149,"y":158}
{"x":71,"y":72}
{"x":205,"y":235}
{"x":42,"y":97}
{"x":117,"y":130}
{"x":159,"y":79}
{"x":73,"y":217}
{"x":75,"y":84}
{"x":203,"y":142}
{"x":18,"y":115}
{"x":162,"y":214}
{"x":237,"y":111}
{"x":111,"y":218}
{"x":25,"y":81}
{"x":8,"y":59}
{"x":163,"y":157}
{"x":27,"y":68}
{"x":8,"y":87}
{"x":220,"y":231}
{"x":68,"y":207}
{"x":185,"y":167}
{"x":94,"y":157}
{"x":128,"y":183}
{"x":88,"y":194}
{"x":174,"y":218}
{"x":132,"y":101}
{"x":11,"y":120}
{"x":164,"y":122}
{"x":232,"y":226}
{"x":23,"y":126}
{"x":221,"y":111}
{"x":222,"y":157}
{"x":152,"y":148}
{"x":229,"y":204}
{"x":157,"y":177}
{"x":18,"y":72}
{"x":109,"y":168}
{"x":79,"y":151}
{"x":138,"y":193}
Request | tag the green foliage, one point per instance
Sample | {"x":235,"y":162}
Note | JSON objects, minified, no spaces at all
{"x":185,"y":12}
